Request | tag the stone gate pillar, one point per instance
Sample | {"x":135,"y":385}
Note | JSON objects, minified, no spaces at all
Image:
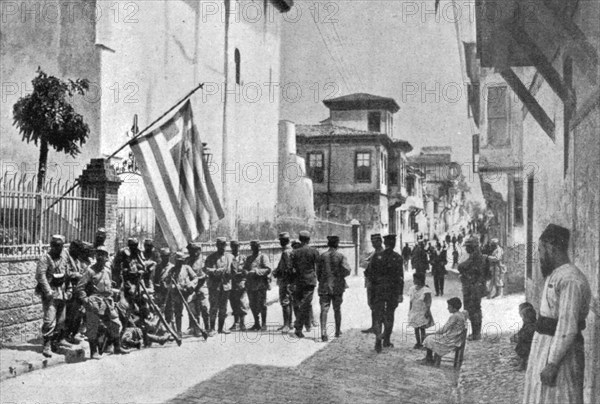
{"x":101,"y":177}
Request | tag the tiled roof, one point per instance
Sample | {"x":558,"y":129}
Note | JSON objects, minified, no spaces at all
{"x":362,"y":101}
{"x":326,"y":130}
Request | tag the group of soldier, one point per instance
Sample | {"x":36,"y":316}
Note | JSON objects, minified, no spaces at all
{"x":140,"y":295}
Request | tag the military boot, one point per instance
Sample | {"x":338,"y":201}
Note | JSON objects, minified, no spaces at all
{"x":221,"y":324}
{"x":94,"y":352}
{"x":47,"y":351}
{"x":235,"y":326}
{"x":119,"y":350}
{"x":264,"y":320}
{"x":242,"y":323}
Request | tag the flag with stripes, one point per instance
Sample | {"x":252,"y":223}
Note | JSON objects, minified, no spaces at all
{"x":177,"y":179}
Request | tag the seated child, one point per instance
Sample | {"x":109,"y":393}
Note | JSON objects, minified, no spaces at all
{"x":419,"y":313}
{"x":524,"y":336}
{"x":449,"y":337}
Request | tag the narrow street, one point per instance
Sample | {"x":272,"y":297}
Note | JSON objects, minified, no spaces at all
{"x":269,"y":367}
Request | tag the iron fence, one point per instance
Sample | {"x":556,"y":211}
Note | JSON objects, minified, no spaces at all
{"x":28,"y":218}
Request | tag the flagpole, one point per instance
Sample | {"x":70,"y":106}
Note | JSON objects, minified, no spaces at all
{"x":188,"y":95}
{"x":143,"y":131}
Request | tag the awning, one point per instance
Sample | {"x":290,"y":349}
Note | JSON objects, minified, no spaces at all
{"x":412,"y":203}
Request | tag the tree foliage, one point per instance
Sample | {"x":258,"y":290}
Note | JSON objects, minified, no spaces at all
{"x":47,"y":116}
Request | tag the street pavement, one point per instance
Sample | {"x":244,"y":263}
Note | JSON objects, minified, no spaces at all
{"x":266,"y":367}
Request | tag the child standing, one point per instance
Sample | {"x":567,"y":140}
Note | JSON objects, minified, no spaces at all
{"x":419,"y":314}
{"x":524,"y":336}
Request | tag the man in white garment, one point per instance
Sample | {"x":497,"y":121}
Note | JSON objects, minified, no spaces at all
{"x":556,"y":363}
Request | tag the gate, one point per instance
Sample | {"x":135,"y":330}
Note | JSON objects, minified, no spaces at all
{"x":135,"y":218}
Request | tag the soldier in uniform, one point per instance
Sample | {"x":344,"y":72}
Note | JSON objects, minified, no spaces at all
{"x":304,"y":263}
{"x":386,"y":275}
{"x":332,"y":269}
{"x":218,"y":267}
{"x":285,"y":280}
{"x":79,"y":261}
{"x":258,"y":269}
{"x":377,"y":243}
{"x":52,"y":276}
{"x":199,"y":301}
{"x":238,"y":298}
{"x":128,"y":266}
{"x":472,"y":277}
{"x":100,"y":238}
{"x":160,"y":273}
{"x":95,"y":291}
{"x":182,"y":277}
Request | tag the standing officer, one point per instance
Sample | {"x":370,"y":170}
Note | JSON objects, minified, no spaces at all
{"x":387,"y":280}
{"x":377,"y":243}
{"x":284,"y":273}
{"x":304,"y":262}
{"x":217,"y":267}
{"x":472,"y":277}
{"x":332,"y":269}
{"x":52,"y":274}
{"x":95,"y":291}
{"x":185,"y":280}
{"x":199,"y":301}
{"x":258,"y":269}
{"x":238,"y":298}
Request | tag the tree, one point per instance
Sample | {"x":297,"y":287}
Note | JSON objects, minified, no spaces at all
{"x":46,"y":116}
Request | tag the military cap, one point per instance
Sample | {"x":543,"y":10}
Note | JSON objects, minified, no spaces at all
{"x":333,"y":238}
{"x":57,"y":239}
{"x":101,"y":230}
{"x":375,"y":236}
{"x":180,"y":256}
{"x":221,"y":239}
{"x":389,"y":237}
{"x":87,"y":246}
{"x":148,"y":241}
{"x":133,"y":240}
{"x":102,"y":249}
{"x":234,"y":242}
{"x":284,"y":235}
{"x":494,"y":241}
{"x":254,"y":242}
{"x":471,"y":241}
{"x":556,"y":235}
{"x":304,"y":233}
{"x":165,"y":251}
{"x":194,"y":246}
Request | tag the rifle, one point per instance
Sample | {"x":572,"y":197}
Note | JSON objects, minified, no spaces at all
{"x":160,"y":315}
{"x":187,"y":307}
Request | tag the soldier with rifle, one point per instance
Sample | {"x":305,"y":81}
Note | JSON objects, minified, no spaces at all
{"x":199,"y":302}
{"x":284,"y":274}
{"x":238,"y":298}
{"x":160,"y":273}
{"x":218,"y":268}
{"x":182,"y":282}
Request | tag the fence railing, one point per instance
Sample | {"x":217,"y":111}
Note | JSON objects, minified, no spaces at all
{"x":28,"y":218}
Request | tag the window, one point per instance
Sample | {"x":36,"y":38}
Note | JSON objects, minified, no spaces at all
{"x":383,"y":169}
{"x":315,"y":166}
{"x":374,"y":121}
{"x":362,"y":167}
{"x":518,"y":183}
{"x":497,"y":109}
{"x":410,"y":186}
{"x":568,"y":109}
{"x":238,"y":66}
{"x":393,"y":178}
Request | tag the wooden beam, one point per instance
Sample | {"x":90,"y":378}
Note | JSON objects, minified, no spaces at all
{"x":543,"y":65}
{"x":529,"y":101}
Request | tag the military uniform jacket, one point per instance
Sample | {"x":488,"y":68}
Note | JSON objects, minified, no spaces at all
{"x":185,"y":278}
{"x":77,"y":268}
{"x":218,"y":269}
{"x":332,"y":269}
{"x":95,"y":281}
{"x":197,"y":267}
{"x":127,"y":264}
{"x":386,"y":273}
{"x":472,"y":270}
{"x":304,"y":264}
{"x":284,"y":273}
{"x":259,"y":269}
{"x":238,"y":281}
{"x":52,"y":275}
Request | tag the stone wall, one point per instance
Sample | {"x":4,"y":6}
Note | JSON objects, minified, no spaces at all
{"x":20,"y":307}
{"x":514,"y":259}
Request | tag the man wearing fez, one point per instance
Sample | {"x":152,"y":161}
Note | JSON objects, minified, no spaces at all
{"x":52,"y":276}
{"x":95,"y":292}
{"x":304,"y":262}
{"x":555,"y":372}
{"x":258,"y":269}
{"x":377,"y":243}
{"x":472,"y":276}
{"x":284,"y":274}
{"x":332,"y":269}
{"x":217,"y":267}
{"x":238,"y":298}
{"x":199,"y":301}
{"x":387,"y":280}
